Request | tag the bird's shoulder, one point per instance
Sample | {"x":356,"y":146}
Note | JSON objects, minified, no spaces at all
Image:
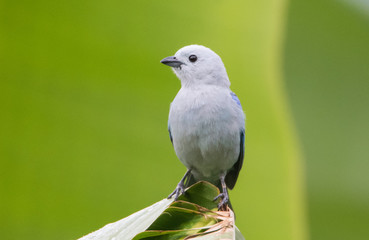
{"x":235,"y":99}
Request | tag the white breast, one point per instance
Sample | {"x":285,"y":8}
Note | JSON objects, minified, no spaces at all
{"x":205,"y":124}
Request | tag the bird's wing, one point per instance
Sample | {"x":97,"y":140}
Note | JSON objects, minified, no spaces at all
{"x":235,"y":98}
{"x":232,"y":175}
{"x":170,"y":134}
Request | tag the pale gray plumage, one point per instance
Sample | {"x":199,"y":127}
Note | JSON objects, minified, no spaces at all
{"x":206,"y":121}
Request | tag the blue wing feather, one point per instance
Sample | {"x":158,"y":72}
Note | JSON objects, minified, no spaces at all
{"x":232,"y":175}
{"x":235,"y":98}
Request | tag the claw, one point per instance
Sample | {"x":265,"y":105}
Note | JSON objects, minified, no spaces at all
{"x":180,"y":187}
{"x":224,"y":202}
{"x":177,"y":192}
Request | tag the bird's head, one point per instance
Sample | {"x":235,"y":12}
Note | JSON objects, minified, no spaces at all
{"x":197,"y":65}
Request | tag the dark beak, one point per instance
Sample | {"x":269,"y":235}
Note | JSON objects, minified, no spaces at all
{"x":171,"y":61}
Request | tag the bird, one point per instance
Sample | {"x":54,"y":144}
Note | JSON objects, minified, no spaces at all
{"x":206,"y":122}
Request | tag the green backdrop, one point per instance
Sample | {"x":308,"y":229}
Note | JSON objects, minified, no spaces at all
{"x":327,"y":75}
{"x":84,"y":102}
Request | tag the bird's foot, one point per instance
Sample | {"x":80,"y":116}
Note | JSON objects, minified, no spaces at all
{"x":224,"y":202}
{"x":177,"y":192}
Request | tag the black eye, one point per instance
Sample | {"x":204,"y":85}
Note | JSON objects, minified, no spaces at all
{"x":192,"y":58}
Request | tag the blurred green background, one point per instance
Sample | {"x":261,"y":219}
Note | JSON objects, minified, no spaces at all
{"x":84,"y":104}
{"x":326,"y":65}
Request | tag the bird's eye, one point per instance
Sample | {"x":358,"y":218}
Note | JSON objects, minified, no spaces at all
{"x":192,"y":58}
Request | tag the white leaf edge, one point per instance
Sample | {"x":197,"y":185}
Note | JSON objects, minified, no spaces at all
{"x":130,"y":226}
{"x":239,"y":235}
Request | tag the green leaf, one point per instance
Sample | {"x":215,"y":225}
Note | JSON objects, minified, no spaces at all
{"x":180,"y":218}
{"x":194,"y":215}
{"x":205,"y":199}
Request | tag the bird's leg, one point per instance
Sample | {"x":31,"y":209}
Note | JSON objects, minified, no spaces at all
{"x":180,"y":187}
{"x":223,"y":195}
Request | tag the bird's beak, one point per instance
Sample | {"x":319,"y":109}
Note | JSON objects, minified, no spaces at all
{"x":171,"y":61}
